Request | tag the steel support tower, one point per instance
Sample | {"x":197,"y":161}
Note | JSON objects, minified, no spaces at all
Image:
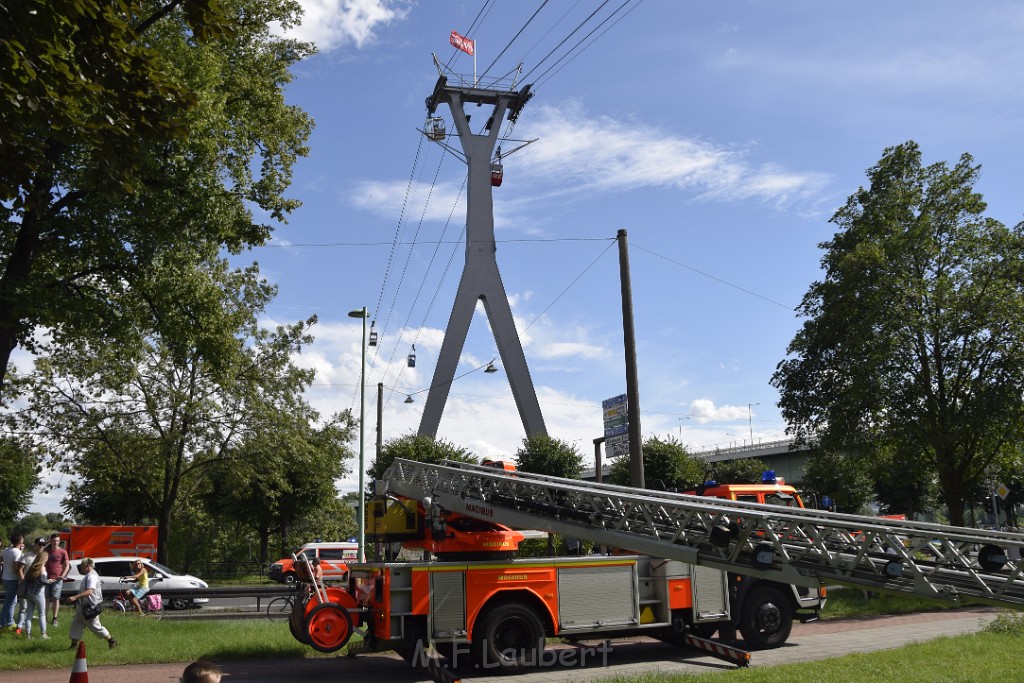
{"x":480,"y":277}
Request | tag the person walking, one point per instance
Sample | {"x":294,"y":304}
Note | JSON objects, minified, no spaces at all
{"x":87,"y":600}
{"x":11,"y":558}
{"x":35,"y":598}
{"x":57,"y":566}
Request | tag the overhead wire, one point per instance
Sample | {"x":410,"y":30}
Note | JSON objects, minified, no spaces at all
{"x":713,"y":277}
{"x":514,"y":38}
{"x":482,"y":14}
{"x":541,"y":80}
{"x":562,"y":42}
{"x":536,"y":318}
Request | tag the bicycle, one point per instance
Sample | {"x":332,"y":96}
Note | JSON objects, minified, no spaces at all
{"x":280,"y":607}
{"x":123,"y":603}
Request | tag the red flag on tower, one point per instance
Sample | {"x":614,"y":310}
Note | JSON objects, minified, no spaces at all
{"x":463,"y":43}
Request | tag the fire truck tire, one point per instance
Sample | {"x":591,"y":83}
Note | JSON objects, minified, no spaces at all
{"x":295,"y":627}
{"x":766,"y":618}
{"x":509,"y":636}
{"x":328,"y":627}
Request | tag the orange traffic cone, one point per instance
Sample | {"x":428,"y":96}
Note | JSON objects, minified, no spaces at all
{"x":80,"y":670}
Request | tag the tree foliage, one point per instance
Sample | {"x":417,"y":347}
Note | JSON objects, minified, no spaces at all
{"x":542,"y":454}
{"x":280,"y":476}
{"x":134,"y":132}
{"x":19,"y":476}
{"x":419,"y":448}
{"x":739,"y":471}
{"x":914,"y":339}
{"x":667,"y":466}
{"x":160,"y":417}
{"x":842,"y":478}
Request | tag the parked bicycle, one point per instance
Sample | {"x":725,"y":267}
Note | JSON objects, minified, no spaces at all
{"x":280,"y":607}
{"x":152,"y":604}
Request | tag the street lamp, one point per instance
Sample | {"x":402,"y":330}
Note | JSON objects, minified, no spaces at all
{"x":364,"y":314}
{"x":750,"y":420}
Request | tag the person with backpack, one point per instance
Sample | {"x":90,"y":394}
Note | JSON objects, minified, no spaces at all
{"x":35,"y":595}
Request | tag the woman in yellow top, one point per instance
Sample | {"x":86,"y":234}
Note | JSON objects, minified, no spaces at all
{"x":141,"y":577}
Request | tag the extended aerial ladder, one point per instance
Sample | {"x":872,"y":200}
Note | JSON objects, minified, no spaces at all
{"x":784,"y":544}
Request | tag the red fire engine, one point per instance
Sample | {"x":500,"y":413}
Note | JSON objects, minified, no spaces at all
{"x":703,"y":563}
{"x":475,"y":599}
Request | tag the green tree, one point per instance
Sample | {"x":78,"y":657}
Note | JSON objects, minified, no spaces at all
{"x":19,"y":476}
{"x":542,"y":454}
{"x":280,"y":476}
{"x":667,"y":466}
{"x":914,"y":339}
{"x":902,"y":486}
{"x":419,"y":448}
{"x":133,"y":133}
{"x":842,"y":478}
{"x":739,"y":471}
{"x":168,"y":411}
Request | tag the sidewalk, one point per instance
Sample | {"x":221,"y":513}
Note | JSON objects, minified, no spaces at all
{"x":629,"y":657}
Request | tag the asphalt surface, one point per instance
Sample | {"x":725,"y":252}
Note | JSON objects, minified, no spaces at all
{"x":578,"y":663}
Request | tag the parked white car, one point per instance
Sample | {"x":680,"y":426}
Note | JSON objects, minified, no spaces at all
{"x":111,"y":569}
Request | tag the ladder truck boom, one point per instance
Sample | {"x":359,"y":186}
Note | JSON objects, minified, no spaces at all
{"x":787,"y":545}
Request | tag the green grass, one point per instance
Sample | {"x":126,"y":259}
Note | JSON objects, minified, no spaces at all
{"x":976,"y":658}
{"x":145,"y":640}
{"x":844,"y":603}
{"x":992,"y":655}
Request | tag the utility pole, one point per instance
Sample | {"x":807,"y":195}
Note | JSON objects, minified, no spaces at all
{"x":481,"y":280}
{"x":636,"y":455}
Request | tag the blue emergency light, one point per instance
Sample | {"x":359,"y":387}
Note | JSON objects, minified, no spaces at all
{"x":768,"y":477}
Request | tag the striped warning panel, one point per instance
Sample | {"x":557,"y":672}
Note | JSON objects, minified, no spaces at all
{"x":721,"y":650}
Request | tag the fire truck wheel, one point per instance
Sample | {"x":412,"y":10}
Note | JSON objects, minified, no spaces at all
{"x":289,"y":579}
{"x":329,"y":627}
{"x":508,"y":636}
{"x":295,"y":625}
{"x":766,"y":618}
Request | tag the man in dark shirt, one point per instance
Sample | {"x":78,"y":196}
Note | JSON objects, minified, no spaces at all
{"x":57,"y":566}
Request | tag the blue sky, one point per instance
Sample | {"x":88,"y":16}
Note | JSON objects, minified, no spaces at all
{"x":722,"y":135}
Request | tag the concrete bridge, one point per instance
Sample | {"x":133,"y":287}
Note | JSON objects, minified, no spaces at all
{"x":782,"y":456}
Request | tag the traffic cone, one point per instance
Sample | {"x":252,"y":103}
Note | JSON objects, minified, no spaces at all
{"x":80,"y":670}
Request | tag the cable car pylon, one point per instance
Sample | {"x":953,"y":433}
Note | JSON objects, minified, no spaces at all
{"x":480,"y":280}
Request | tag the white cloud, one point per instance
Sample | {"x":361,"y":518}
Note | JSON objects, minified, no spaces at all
{"x":588,"y":156}
{"x":601,"y":154}
{"x":704,"y":410}
{"x":334,"y":23}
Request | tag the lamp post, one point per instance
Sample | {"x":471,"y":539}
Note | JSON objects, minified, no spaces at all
{"x":364,"y":314}
{"x":750,"y":420}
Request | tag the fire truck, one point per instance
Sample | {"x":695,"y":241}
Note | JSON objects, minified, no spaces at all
{"x":698,"y":564}
{"x":82,"y":540}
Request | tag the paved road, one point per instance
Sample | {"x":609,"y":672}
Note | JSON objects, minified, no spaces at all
{"x":630,"y":657}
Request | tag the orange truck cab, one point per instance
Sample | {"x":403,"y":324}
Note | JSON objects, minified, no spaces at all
{"x":771,"y":491}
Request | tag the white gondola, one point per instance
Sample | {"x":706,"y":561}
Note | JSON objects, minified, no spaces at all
{"x":373,"y":334}
{"x":411,"y":360}
{"x":435,"y":128}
